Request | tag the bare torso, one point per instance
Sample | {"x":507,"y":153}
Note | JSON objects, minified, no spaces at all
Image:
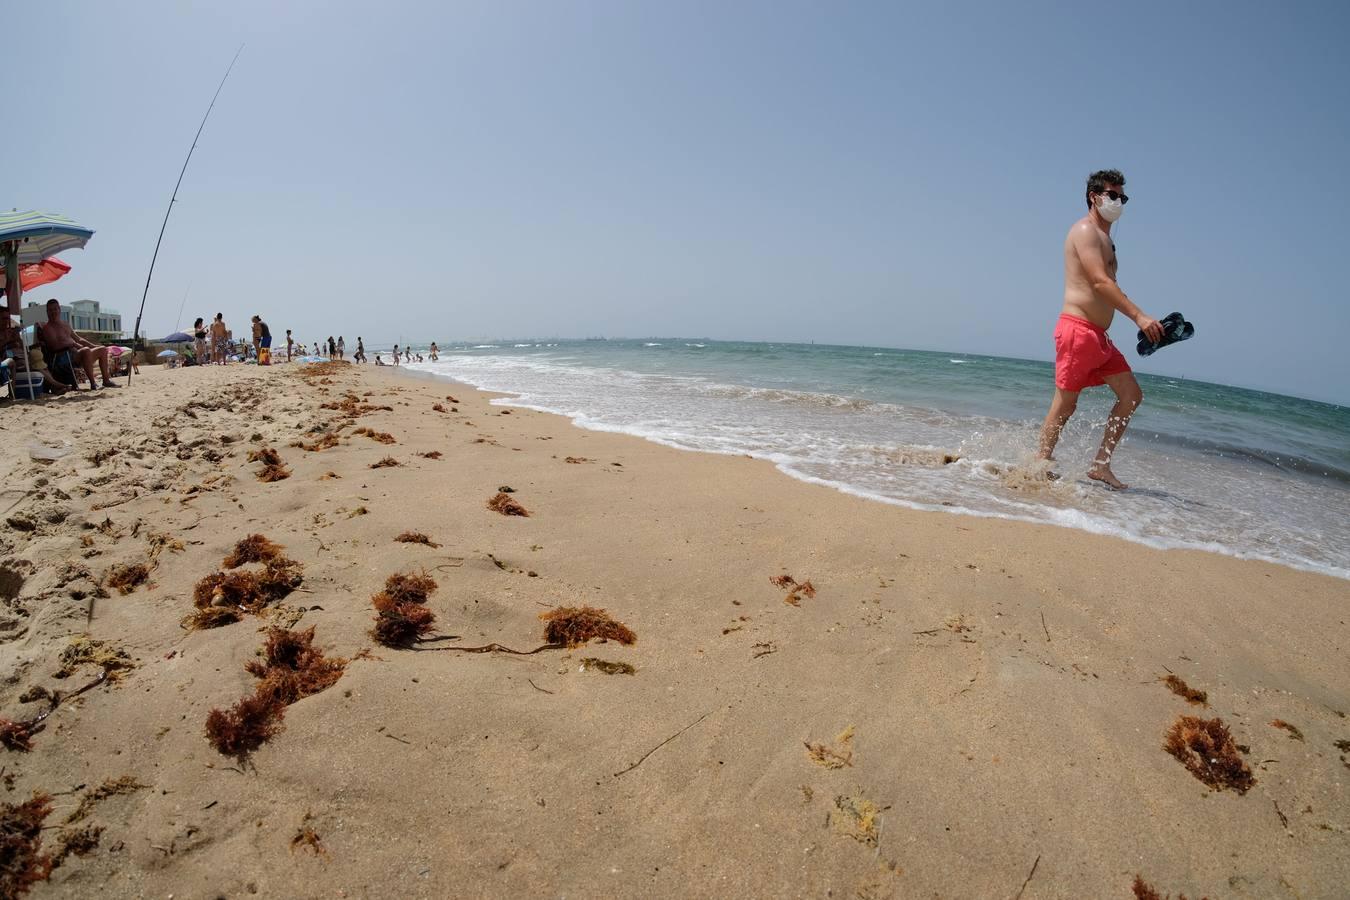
{"x":58,"y":337}
{"x":1079,"y":297}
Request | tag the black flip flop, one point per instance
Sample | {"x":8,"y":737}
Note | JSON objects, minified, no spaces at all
{"x":1175,"y":330}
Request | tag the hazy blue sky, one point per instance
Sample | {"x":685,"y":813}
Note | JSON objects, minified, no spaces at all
{"x":888,"y":174}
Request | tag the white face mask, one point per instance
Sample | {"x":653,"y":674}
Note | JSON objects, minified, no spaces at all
{"x":1109,"y":209}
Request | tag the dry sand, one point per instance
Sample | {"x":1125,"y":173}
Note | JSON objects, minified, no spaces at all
{"x":989,"y":691}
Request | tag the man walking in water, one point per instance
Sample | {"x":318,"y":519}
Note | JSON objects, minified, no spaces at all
{"x":1084,"y":354}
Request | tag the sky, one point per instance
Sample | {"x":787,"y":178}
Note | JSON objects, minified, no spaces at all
{"x":884,"y":174}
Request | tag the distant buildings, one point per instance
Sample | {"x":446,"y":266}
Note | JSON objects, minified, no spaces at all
{"x":84,"y":317}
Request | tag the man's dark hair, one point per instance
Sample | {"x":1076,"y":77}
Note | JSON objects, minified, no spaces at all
{"x":1098,"y":181}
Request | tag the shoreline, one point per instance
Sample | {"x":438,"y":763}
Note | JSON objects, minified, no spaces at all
{"x":989,"y":691}
{"x":1081,"y":527}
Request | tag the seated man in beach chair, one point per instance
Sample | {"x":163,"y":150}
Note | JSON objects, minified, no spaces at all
{"x":12,"y":351}
{"x":58,"y":339}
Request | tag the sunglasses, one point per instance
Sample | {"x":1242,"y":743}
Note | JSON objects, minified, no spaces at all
{"x":1114,"y":195}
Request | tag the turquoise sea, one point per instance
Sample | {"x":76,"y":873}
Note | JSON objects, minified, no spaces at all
{"x":1212,"y":467}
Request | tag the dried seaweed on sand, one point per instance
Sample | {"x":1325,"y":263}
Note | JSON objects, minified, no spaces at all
{"x":352,"y":406}
{"x":249,"y":590}
{"x":437,"y":407}
{"x":273,"y":469}
{"x":415,"y":537}
{"x":19,"y":735}
{"x":22,"y":863}
{"x":857,"y":817}
{"x":795,"y":591}
{"x":292,"y":667}
{"x":609,"y":668}
{"x":111,"y":787}
{"x":401,"y":625}
{"x":211,"y":617}
{"x":273,"y":473}
{"x":382,"y":437}
{"x":506,"y":505}
{"x":323,"y":442}
{"x":572,"y":626}
{"x":836,"y":757}
{"x":1185,"y":691}
{"x":265,"y":455}
{"x":244,"y":727}
{"x":385,"y":463}
{"x":1294,"y":733}
{"x":83,"y":651}
{"x":253,"y":549}
{"x":76,"y":842}
{"x":405,"y":588}
{"x":431,"y":454}
{"x":400,"y":618}
{"x":126,"y":577}
{"x":1206,"y":748}
{"x":1145,"y":891}
{"x":307,"y":838}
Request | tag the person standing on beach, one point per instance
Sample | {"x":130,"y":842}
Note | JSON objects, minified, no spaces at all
{"x":290,"y":342}
{"x":396,"y":354}
{"x":264,"y":341}
{"x":1084,"y":354}
{"x":360,"y":355}
{"x":342,"y":347}
{"x":199,"y":341}
{"x":219,"y":339}
{"x":434,"y":352}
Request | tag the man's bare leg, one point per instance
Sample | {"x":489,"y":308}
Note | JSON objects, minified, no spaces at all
{"x":1128,"y":398}
{"x":85,"y":358}
{"x":101,"y":354}
{"x":1061,"y":408}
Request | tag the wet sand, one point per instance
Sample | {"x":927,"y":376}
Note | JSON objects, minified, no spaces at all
{"x":982,"y":699}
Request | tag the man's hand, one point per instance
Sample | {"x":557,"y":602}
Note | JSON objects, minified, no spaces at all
{"x":1151,"y":327}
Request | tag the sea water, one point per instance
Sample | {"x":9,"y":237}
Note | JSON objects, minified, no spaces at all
{"x":1210,"y":467}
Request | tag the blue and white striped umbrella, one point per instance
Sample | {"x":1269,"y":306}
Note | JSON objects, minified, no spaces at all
{"x":40,"y":235}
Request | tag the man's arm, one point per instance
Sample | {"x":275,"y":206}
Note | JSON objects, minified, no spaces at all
{"x":1089,"y":250}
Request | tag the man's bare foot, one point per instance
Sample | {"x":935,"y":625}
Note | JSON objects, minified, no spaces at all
{"x":1107,"y":477}
{"x":110,"y":384}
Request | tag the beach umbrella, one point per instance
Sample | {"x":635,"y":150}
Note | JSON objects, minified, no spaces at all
{"x":37,"y":274}
{"x":177,"y":337}
{"x":30,"y":237}
{"x":163,"y":353}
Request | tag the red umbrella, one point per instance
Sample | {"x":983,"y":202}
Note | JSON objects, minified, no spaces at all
{"x":33,"y":275}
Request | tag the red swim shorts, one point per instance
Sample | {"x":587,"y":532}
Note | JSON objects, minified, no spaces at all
{"x":1084,"y":355}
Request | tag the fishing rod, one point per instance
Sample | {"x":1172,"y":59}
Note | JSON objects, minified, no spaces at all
{"x":179,"y":321}
{"x":136,"y":332}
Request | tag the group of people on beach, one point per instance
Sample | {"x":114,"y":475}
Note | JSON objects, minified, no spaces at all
{"x":408,"y":355}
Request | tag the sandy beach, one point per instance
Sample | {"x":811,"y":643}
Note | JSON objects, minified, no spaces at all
{"x":956,"y":707}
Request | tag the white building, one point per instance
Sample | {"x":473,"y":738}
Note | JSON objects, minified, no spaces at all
{"x":83,"y":316}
